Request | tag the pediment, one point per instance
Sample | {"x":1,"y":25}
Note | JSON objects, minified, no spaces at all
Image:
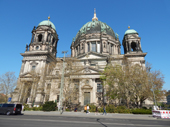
{"x":92,"y":55}
{"x":86,"y":87}
{"x":27,"y":74}
{"x":88,"y":70}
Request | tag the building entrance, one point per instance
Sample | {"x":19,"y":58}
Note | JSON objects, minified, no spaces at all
{"x":86,"y":98}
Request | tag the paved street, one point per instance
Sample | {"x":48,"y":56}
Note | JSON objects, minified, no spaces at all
{"x":68,"y":119}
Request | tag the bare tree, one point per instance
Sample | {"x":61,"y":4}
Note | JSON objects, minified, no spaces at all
{"x":73,"y":70}
{"x":7,"y":84}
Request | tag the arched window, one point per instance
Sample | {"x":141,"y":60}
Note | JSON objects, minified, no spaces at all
{"x":88,"y":47}
{"x":49,"y":86}
{"x":104,"y":44}
{"x":133,"y":46}
{"x":39,"y":37}
{"x":93,"y":46}
{"x":33,"y":68}
{"x":53,"y":41}
{"x":82,"y":46}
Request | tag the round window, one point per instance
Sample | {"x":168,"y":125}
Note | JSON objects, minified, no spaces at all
{"x":37,"y":47}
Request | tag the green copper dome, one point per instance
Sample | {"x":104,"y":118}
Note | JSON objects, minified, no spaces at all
{"x":131,"y":31}
{"x":47,"y":23}
{"x":95,"y":26}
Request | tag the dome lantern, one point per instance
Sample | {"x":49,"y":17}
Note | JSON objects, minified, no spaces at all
{"x":94,"y":18}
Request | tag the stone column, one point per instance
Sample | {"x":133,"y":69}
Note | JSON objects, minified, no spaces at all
{"x":140,"y":46}
{"x":130,"y":46}
{"x":93,"y":94}
{"x":90,"y":46}
{"x":85,"y":47}
{"x":96,"y":46}
{"x":137,"y":45}
{"x":80,"y":93}
{"x":115,"y":49}
{"x":119,"y":50}
{"x":78,"y":50}
{"x":127,"y":49}
{"x":21,"y":91}
{"x":22,"y":66}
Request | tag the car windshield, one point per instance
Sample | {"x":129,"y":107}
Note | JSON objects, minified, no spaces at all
{"x":0,"y":105}
{"x":8,"y":105}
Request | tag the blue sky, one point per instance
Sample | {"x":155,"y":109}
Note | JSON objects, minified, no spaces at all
{"x":150,"y":18}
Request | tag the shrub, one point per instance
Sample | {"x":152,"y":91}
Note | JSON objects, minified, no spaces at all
{"x":110,"y":108}
{"x":100,"y":109}
{"x":26,"y":107}
{"x":67,"y":109}
{"x":92,"y":108}
{"x":144,"y":108}
{"x":119,"y":109}
{"x":37,"y":108}
{"x":49,"y":106}
{"x":123,"y":109}
{"x":142,"y":111}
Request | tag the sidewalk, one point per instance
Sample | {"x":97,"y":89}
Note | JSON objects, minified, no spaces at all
{"x":92,"y":115}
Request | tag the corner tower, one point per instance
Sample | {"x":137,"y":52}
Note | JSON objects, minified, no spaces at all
{"x":131,"y":42}
{"x":132,"y":47}
{"x":38,"y":54}
{"x":44,"y":38}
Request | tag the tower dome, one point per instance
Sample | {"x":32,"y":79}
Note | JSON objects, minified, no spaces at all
{"x":47,"y":23}
{"x":131,"y":31}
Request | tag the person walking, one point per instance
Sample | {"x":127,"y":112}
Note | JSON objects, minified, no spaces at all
{"x":88,"y":109}
{"x":61,"y":112}
{"x":96,"y":110}
{"x":104,"y":110}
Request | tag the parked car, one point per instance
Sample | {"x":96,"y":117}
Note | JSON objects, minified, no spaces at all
{"x":10,"y":109}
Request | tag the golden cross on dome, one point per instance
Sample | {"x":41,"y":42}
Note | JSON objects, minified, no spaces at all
{"x":94,"y":18}
{"x":128,"y":27}
{"x":48,"y":17}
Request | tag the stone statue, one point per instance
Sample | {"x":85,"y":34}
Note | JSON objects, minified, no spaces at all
{"x":26,"y":48}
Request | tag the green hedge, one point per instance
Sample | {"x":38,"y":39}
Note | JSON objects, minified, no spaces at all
{"x":49,"y":106}
{"x":110,"y":109}
{"x":142,"y":111}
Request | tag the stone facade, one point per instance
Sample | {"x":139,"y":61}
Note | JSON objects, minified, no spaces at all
{"x":95,"y":44}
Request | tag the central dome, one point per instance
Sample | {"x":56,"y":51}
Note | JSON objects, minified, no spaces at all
{"x":95,"y":26}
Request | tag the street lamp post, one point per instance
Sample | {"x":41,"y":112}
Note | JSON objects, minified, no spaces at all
{"x":61,"y":86}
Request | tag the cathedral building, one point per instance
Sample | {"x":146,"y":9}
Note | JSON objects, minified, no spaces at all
{"x":94,"y":45}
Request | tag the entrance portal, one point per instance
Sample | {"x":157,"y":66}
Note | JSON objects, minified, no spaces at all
{"x":86,"y":98}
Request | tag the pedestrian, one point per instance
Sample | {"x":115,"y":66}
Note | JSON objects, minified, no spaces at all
{"x":104,"y":110}
{"x":96,"y":110}
{"x":87,"y":109}
{"x":75,"y":110}
{"x":61,"y":112}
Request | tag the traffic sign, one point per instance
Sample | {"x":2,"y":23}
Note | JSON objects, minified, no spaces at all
{"x":9,"y":99}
